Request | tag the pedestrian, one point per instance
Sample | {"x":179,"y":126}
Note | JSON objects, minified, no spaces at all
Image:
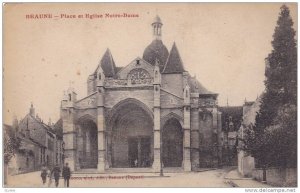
{"x":56,"y":174}
{"x":66,"y":173}
{"x":44,"y":172}
{"x":50,"y":178}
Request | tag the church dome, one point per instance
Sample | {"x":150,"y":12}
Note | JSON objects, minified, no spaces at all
{"x":156,"y":50}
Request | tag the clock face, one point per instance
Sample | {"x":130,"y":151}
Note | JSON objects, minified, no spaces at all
{"x":137,"y":74}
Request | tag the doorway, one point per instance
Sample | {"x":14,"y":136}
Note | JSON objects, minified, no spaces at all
{"x":172,"y":138}
{"x":139,"y":152}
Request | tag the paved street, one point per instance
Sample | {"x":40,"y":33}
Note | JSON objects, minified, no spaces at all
{"x":237,"y":180}
{"x":212,"y":178}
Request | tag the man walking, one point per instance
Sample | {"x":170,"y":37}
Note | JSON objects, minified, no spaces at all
{"x":44,"y":174}
{"x":66,"y":174}
{"x":56,"y":174}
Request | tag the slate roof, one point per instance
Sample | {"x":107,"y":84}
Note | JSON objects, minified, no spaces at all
{"x":197,"y":87}
{"x":174,"y":63}
{"x":49,"y":130}
{"x":118,"y":69}
{"x":107,"y":64}
{"x":156,"y":50}
{"x":58,"y":129}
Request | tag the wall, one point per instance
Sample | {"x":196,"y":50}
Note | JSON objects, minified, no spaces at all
{"x":22,"y":165}
{"x":206,"y":142}
{"x":112,"y":97}
{"x":173,"y":83}
{"x":279,"y":177}
{"x":37,"y":131}
{"x":245,"y":164}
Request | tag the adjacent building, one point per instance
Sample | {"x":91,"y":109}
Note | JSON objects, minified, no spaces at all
{"x":231,"y":122}
{"x":40,"y":144}
{"x":246,"y":162}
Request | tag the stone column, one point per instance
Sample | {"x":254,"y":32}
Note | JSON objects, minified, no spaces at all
{"x":108,"y":149}
{"x":69,"y":137}
{"x":156,"y":125}
{"x":101,"y":121}
{"x":215,"y":132}
{"x":88,"y":140}
{"x":195,"y":131}
{"x":187,"y":130}
{"x":101,"y":134}
{"x":80,"y":145}
{"x":220,"y":145}
{"x":69,"y":131}
{"x":157,"y":141}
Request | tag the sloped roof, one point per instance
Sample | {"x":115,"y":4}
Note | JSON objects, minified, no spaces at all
{"x":174,"y":63}
{"x":58,"y":129}
{"x":157,"y":20}
{"x":107,"y":64}
{"x":45,"y":126}
{"x":156,"y":50}
{"x":197,"y":87}
{"x":118,"y":69}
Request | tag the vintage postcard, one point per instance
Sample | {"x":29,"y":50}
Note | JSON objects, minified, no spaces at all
{"x":150,"y":95}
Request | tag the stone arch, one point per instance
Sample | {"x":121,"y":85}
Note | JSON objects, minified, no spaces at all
{"x":122,"y":104}
{"x":172,"y":140}
{"x":87,"y":141}
{"x":165,"y":118}
{"x":86,"y":117}
{"x":130,"y":139}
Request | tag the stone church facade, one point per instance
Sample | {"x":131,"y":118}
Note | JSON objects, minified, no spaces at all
{"x":148,"y":114}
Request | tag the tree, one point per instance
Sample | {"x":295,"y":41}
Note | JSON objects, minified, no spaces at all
{"x":11,"y":145}
{"x":281,"y":71}
{"x":271,"y":139}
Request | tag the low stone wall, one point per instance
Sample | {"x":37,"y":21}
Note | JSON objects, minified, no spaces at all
{"x":245,"y":164}
{"x":280,"y":177}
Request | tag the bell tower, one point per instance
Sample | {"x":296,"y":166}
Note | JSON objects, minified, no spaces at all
{"x":157,"y":24}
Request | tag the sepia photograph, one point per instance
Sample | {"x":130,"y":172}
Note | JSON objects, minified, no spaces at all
{"x":152,"y":95}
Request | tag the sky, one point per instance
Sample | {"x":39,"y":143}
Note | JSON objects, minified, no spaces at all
{"x":223,"y":44}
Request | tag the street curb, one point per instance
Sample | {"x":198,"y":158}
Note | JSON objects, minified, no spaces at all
{"x":205,"y":170}
{"x":238,"y":178}
{"x":233,"y":184}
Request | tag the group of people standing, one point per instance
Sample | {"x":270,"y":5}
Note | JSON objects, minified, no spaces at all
{"x":55,"y":173}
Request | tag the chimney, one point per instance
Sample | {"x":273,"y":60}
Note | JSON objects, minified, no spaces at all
{"x":32,"y":111}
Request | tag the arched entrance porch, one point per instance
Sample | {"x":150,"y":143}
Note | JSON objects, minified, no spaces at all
{"x":87,"y":143}
{"x":172,"y":143}
{"x":131,"y":135}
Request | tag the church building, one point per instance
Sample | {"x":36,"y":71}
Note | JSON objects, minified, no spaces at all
{"x":149,"y":114}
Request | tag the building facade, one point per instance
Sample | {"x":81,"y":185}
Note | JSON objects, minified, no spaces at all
{"x":40,"y":144}
{"x":231,"y":122}
{"x":149,"y":114}
{"x":246,"y":162}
